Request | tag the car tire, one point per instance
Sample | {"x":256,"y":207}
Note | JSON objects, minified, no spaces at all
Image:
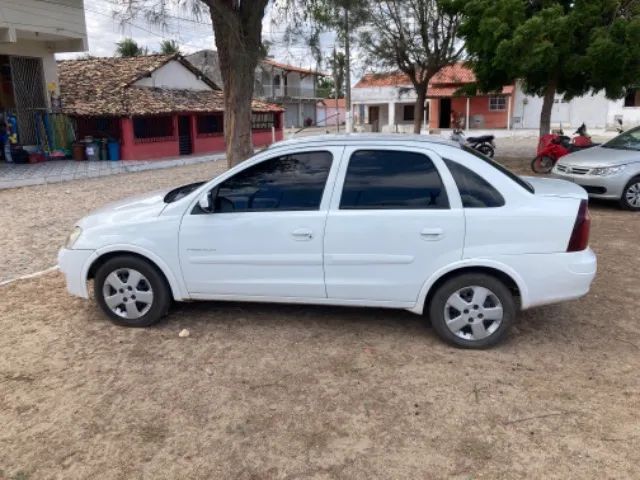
{"x":542,"y":164}
{"x":460,"y":321}
{"x":486,"y":150}
{"x":131,"y":291}
{"x":630,"y":199}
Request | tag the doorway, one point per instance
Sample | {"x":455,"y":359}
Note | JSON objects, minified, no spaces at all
{"x":445,"y":113}
{"x":374,"y":118}
{"x":185,"y":145}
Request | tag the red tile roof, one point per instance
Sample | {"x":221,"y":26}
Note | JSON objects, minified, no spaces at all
{"x":443,"y":84}
{"x":331,"y":102}
{"x":105,"y":87}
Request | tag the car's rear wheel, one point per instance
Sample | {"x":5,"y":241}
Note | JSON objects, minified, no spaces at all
{"x":631,"y":195}
{"x":131,"y":291}
{"x":472,"y":310}
{"x":542,"y":164}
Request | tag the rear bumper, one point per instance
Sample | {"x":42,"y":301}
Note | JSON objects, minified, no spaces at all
{"x":555,"y":277}
{"x":75,"y":266}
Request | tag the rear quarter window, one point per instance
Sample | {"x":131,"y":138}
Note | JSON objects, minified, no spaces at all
{"x":475,"y":191}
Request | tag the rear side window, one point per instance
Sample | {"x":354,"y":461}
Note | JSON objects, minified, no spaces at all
{"x":387,"y":179}
{"x":475,"y":191}
{"x":289,"y":182}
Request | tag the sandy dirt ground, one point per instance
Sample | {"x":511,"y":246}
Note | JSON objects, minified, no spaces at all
{"x":296,"y":392}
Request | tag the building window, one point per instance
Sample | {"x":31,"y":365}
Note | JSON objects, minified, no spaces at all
{"x":632,"y":98}
{"x":263,"y":121}
{"x":497,"y":104}
{"x":153,"y":128}
{"x":408,"y":113}
{"x":209,"y":124}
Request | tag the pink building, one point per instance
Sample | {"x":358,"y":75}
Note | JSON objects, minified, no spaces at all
{"x":155,"y":106}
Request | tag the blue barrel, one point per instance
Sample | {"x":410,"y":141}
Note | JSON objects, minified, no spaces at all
{"x":114,"y":150}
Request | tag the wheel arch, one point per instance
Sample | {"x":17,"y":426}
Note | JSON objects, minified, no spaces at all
{"x":507,"y":275}
{"x":101,"y":256}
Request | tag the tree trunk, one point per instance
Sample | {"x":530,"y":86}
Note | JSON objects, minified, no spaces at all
{"x":238,"y":33}
{"x":547,"y":106}
{"x":418,"y":109}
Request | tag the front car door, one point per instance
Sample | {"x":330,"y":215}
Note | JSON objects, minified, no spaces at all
{"x":394,"y":221}
{"x":264,"y":236}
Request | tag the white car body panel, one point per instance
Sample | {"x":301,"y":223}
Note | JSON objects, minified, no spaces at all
{"x":383,"y":258}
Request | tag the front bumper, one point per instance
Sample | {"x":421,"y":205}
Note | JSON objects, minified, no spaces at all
{"x":75,"y":266}
{"x":597,"y":186}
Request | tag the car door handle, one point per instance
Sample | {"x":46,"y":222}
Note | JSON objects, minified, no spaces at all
{"x":302,"y":234}
{"x":431,"y":233}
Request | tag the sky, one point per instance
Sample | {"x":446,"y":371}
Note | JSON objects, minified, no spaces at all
{"x":192,"y":34}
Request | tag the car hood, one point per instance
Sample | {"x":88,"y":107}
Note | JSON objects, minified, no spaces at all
{"x":600,"y":157}
{"x":552,"y":187}
{"x":130,"y":209}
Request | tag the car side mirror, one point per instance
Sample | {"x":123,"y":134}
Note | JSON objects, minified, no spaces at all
{"x":205,"y":202}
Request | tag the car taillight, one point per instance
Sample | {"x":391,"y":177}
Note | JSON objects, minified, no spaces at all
{"x":580,"y":235}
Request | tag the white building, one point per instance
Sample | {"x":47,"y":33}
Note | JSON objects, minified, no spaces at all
{"x":31,"y":33}
{"x":384,"y":102}
{"x":295,"y":88}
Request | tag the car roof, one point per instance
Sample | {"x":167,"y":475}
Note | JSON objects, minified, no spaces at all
{"x":369,"y":138}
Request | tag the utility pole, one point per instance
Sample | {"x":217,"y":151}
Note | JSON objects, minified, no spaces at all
{"x":347,"y":73}
{"x":336,"y":88}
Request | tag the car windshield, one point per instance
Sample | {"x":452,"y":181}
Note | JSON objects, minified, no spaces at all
{"x":629,"y":140}
{"x":519,"y":180}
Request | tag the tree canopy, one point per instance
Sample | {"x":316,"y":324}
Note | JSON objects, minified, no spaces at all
{"x":169,"y":47}
{"x":128,"y":47}
{"x":569,"y":47}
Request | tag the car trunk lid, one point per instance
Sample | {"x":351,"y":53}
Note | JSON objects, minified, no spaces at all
{"x":552,"y":187}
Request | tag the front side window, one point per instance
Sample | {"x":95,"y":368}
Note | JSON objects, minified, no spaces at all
{"x":497,"y":104}
{"x":290,"y":182}
{"x":156,"y":127}
{"x":209,"y":124}
{"x":475,"y":191}
{"x":408,"y":113}
{"x":388,"y":179}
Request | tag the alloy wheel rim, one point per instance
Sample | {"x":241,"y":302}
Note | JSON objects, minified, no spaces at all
{"x":633,"y":195}
{"x":127,"y":293}
{"x":473,"y":313}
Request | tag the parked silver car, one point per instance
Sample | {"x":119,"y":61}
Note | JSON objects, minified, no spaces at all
{"x":609,"y":171}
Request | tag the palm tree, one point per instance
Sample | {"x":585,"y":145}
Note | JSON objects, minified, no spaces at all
{"x":128,"y":47}
{"x":169,"y":47}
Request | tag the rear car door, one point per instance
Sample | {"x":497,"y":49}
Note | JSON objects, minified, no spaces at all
{"x":264,"y":237}
{"x":395,"y":219}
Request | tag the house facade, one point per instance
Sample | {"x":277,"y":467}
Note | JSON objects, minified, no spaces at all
{"x":384,"y":102}
{"x":295,"y":88}
{"x":154,"y":106}
{"x":330,"y":112}
{"x":31,"y":33}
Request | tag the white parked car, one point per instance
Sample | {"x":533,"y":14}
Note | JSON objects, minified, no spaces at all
{"x":407,"y":222}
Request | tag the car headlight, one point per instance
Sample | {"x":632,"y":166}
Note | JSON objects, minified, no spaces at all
{"x":604,"y":171}
{"x":73,"y":237}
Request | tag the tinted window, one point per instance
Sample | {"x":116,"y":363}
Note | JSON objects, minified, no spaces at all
{"x":523,"y":183}
{"x":475,"y":191}
{"x":383,"y":179}
{"x":291,"y":182}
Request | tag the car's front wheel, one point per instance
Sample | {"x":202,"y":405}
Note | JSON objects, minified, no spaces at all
{"x":472,"y":310}
{"x":631,"y":195}
{"x":131,"y":291}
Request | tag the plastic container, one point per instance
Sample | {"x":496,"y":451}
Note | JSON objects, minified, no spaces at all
{"x":114,"y":150}
{"x":92,"y":150}
{"x":77,"y":151}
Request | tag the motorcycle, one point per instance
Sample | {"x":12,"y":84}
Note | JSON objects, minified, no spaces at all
{"x":554,"y":146}
{"x":484,"y":144}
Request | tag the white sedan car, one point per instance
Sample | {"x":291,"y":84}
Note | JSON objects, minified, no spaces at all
{"x":406,"y":222}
